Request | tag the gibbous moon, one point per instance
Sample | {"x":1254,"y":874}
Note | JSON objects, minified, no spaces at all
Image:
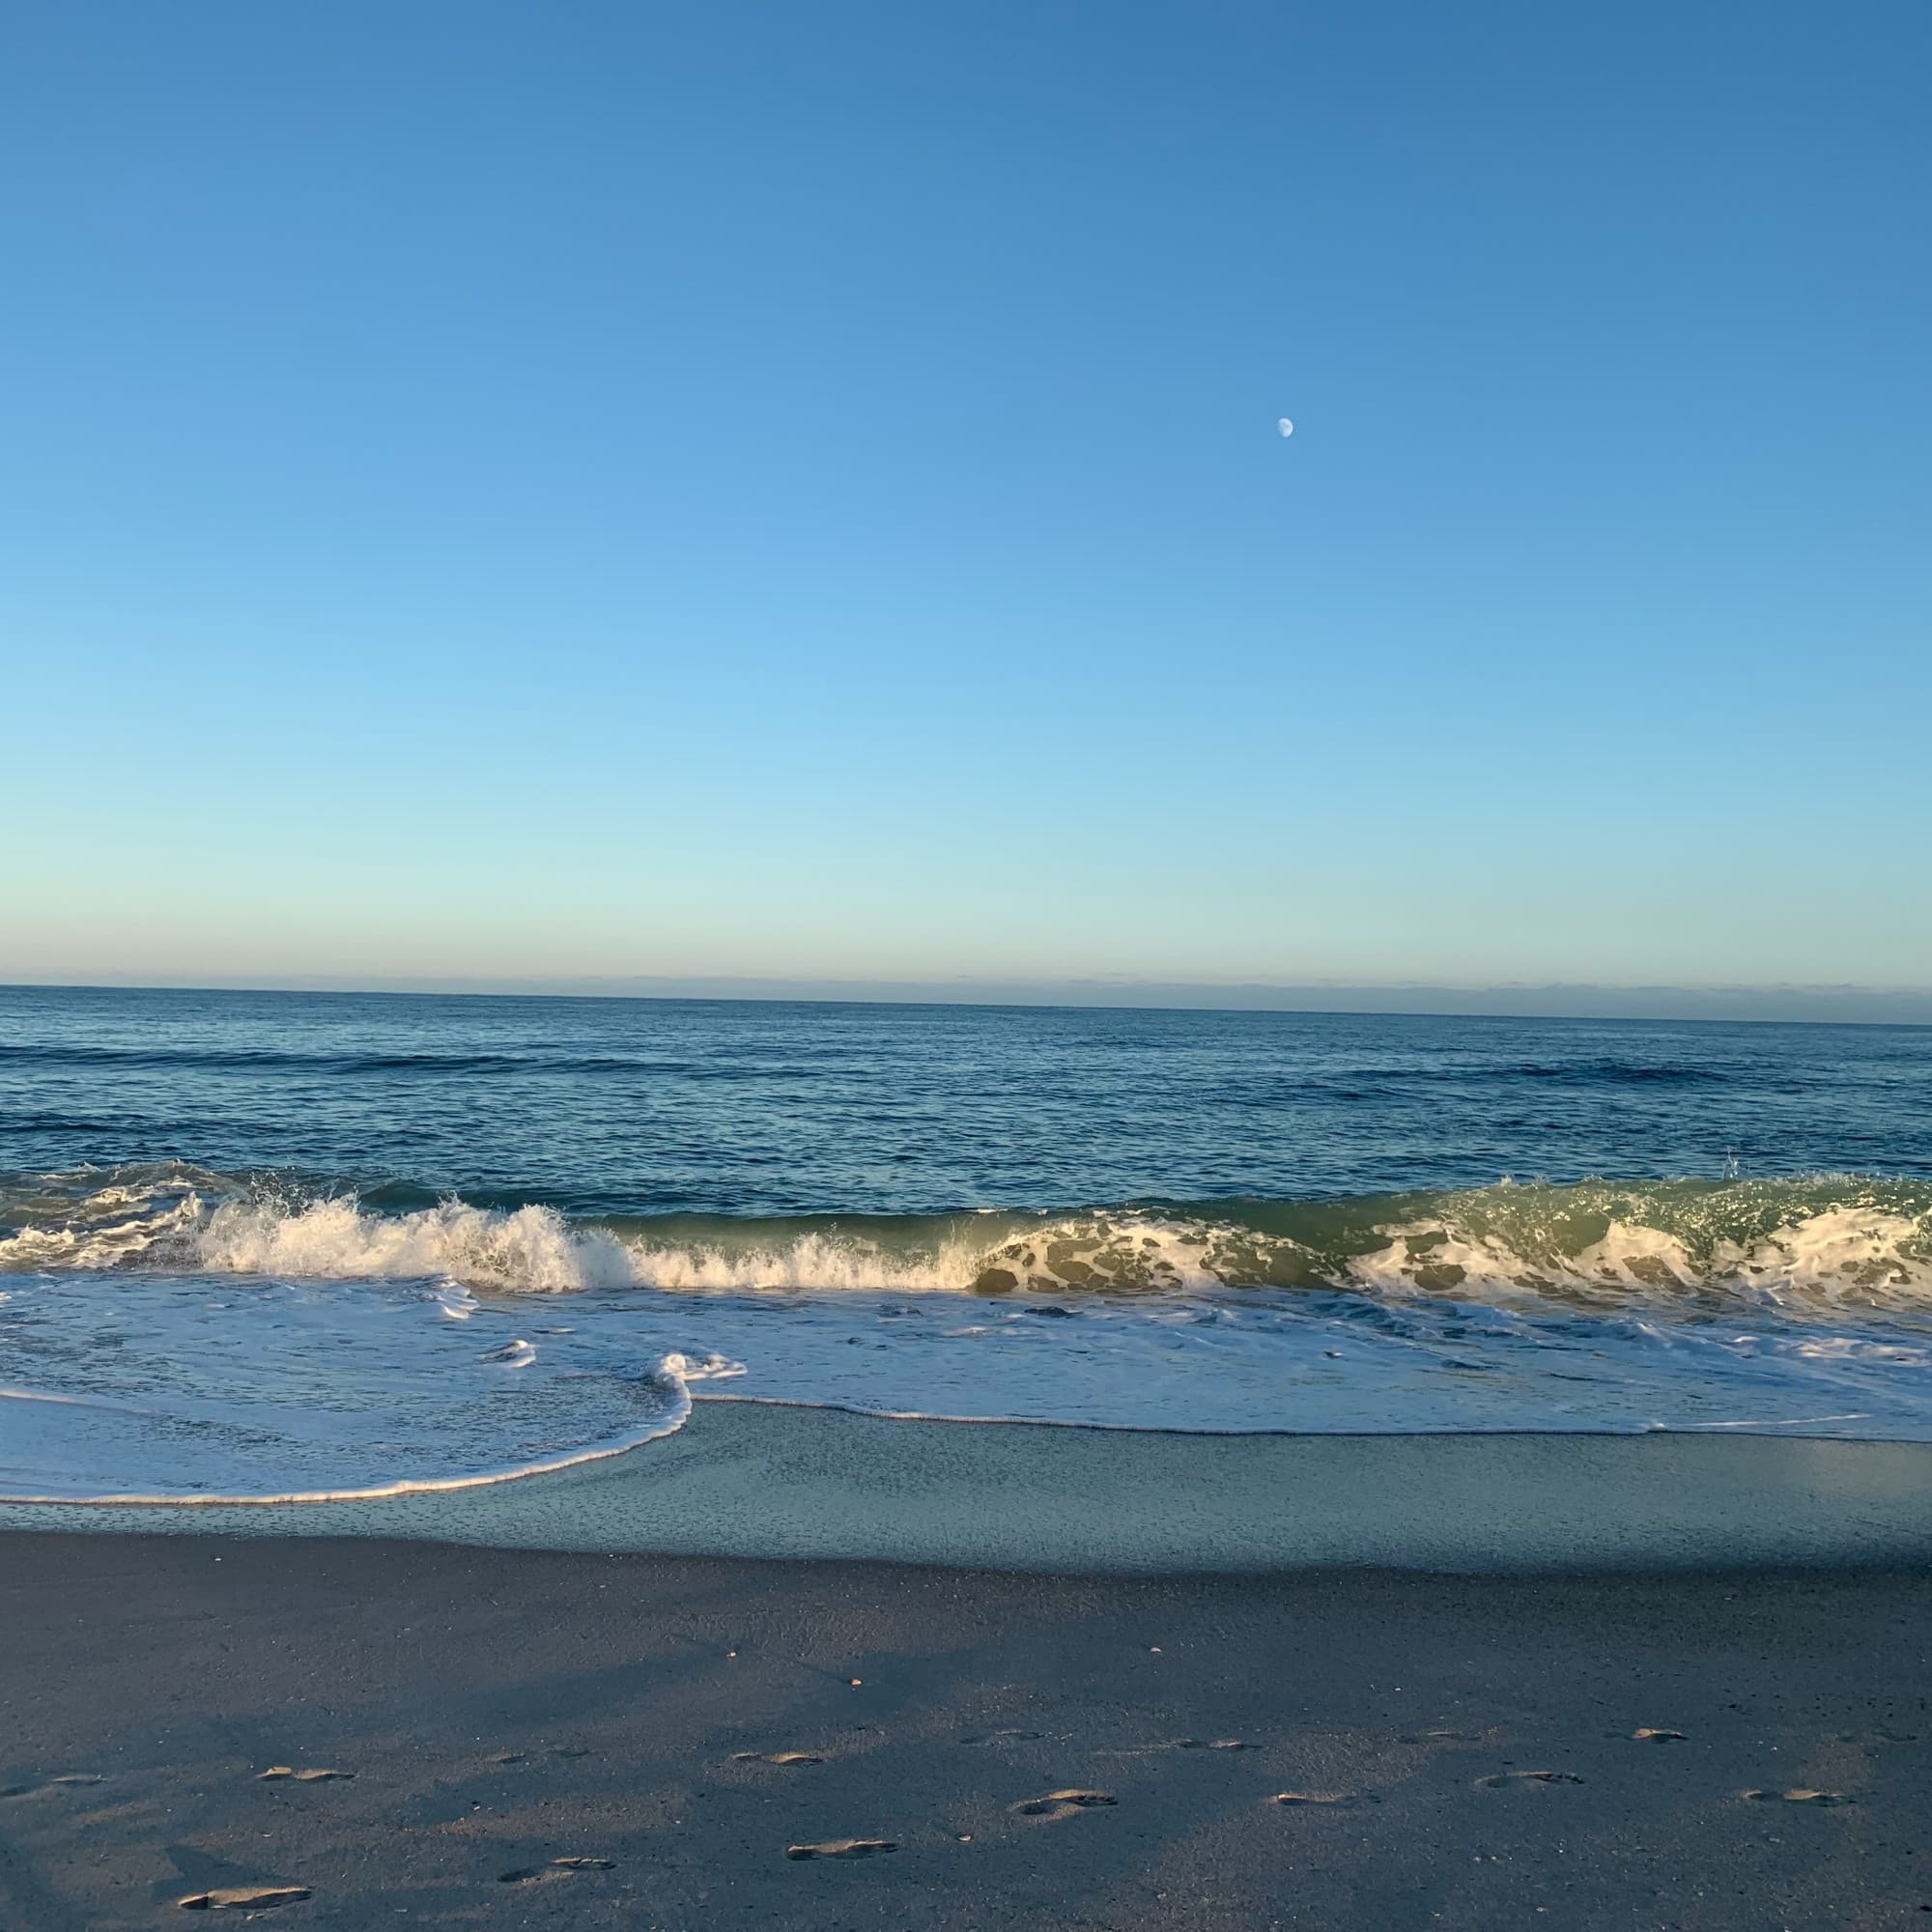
{"x":1286,"y":427}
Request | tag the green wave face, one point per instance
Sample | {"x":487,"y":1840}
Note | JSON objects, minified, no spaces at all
{"x":1834,"y":1242}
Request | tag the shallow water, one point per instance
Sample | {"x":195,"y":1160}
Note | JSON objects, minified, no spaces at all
{"x":290,"y":1244}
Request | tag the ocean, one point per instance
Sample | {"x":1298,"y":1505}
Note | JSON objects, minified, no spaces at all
{"x":299,"y":1246}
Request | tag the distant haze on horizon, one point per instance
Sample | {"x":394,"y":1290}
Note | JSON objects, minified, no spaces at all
{"x":1786,"y":1005}
{"x":758,"y":496}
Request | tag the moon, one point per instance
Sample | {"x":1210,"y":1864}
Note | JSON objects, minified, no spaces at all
{"x":1286,"y":427}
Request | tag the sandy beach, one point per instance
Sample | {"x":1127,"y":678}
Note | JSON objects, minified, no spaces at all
{"x":1736,"y":1750}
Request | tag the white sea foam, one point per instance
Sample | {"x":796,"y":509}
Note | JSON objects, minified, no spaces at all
{"x":531,"y":1248}
{"x":142,"y":1388}
{"x":1836,"y":1258}
{"x":1801,"y":1246}
{"x":1848,"y":1256}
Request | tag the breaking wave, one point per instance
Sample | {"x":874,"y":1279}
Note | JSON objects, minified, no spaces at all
{"x":175,"y":1334}
{"x":1825,"y":1244}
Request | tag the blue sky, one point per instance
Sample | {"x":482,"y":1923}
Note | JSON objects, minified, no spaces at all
{"x":529,"y":493}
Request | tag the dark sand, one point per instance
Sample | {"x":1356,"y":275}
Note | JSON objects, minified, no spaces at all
{"x":503,"y":1709}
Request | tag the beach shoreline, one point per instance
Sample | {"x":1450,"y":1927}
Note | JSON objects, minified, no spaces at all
{"x":760,"y":1480}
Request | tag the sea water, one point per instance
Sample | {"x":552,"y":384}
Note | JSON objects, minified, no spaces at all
{"x":309,"y":1246}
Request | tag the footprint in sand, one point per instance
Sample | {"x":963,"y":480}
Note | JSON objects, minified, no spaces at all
{"x":1062,"y":1804}
{"x":1800,"y":1795}
{"x":317,"y":1775}
{"x":243,"y":1897}
{"x":556,"y":1868}
{"x":1652,"y":1734}
{"x":1501,"y":1780}
{"x":1324,"y":1798}
{"x":66,"y":1777}
{"x":776,"y":1757}
{"x":843,"y":1848}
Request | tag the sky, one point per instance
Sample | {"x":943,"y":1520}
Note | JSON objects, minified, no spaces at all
{"x":703,"y":495}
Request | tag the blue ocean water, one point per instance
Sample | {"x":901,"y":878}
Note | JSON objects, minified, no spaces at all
{"x":278,"y":1244}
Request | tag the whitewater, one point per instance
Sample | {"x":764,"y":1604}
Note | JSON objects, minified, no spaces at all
{"x":1818,"y":1244}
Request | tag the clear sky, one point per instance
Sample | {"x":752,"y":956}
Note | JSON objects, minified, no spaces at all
{"x":536,"y":490}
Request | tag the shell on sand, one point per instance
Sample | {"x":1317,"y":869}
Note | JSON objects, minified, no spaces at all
{"x":244,"y":1897}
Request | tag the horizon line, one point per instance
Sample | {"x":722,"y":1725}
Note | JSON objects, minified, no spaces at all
{"x":1786,"y":1005}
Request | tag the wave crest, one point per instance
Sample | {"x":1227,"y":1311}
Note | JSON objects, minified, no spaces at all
{"x":1832,"y":1244}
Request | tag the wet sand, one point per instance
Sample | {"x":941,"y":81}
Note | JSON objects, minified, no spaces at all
{"x":1017,"y":1750}
{"x":754,"y":1479}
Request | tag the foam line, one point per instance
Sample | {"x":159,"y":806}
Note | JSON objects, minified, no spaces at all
{"x":1824,"y":1245}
